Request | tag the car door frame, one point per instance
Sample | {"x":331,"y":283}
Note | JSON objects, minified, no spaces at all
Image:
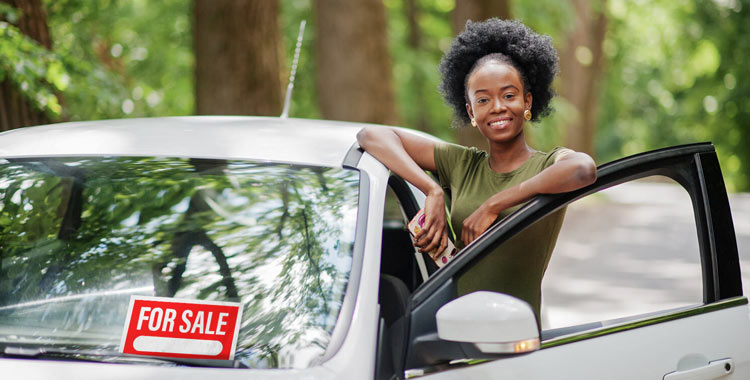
{"x":694,"y":166}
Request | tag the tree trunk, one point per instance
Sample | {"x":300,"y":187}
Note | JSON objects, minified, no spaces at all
{"x":476,"y":10}
{"x":15,"y":110}
{"x":237,"y":57}
{"x":581,"y":67}
{"x":418,"y":79}
{"x":355,"y":81}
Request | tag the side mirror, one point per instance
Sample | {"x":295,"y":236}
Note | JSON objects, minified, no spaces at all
{"x":495,"y":323}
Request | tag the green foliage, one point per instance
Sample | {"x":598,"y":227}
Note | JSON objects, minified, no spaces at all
{"x":555,"y":19}
{"x":674,"y":69}
{"x":674,"y":77}
{"x":8,"y":13}
{"x":415,"y":67}
{"x":726,"y":107}
{"x":38,"y":73}
{"x":138,"y":54}
{"x":550,"y":17}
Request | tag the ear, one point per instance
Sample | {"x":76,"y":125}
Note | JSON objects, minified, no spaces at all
{"x":527,"y":101}
{"x":469,"y":111}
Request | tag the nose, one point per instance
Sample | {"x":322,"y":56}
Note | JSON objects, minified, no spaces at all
{"x":497,"y":105}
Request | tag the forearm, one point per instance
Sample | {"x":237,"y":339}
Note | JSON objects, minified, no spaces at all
{"x":409,"y":156}
{"x":385,"y":145}
{"x":563,"y":176}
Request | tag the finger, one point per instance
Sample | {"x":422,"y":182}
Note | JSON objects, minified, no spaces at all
{"x":425,"y":242}
{"x":443,"y":242}
{"x":419,"y":235}
{"x":423,"y":237}
{"x":426,"y":238}
{"x":437,"y":240}
{"x":469,"y":235}
{"x":434,"y":243}
{"x":429,"y":225}
{"x":465,"y":235}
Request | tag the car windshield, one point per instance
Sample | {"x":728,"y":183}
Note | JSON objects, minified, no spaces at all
{"x":80,"y":236}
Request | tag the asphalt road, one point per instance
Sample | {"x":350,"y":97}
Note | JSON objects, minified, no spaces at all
{"x":631,"y":250}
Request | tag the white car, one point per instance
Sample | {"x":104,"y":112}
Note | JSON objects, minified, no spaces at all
{"x":301,"y":233}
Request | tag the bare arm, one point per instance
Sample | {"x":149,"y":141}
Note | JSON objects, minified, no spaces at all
{"x":571,"y":171}
{"x":405,"y":154}
{"x":409,"y":155}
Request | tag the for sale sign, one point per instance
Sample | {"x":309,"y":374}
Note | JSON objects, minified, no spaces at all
{"x":179,"y":328}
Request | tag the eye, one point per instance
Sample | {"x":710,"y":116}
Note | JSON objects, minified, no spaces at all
{"x":482,"y":100}
{"x":509,"y":95}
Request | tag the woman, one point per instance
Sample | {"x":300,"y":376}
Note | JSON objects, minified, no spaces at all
{"x":497,"y":75}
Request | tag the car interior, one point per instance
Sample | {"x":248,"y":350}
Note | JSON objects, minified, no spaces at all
{"x":399,"y":275}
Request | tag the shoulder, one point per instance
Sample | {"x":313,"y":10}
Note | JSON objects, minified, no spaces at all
{"x":555,"y":155}
{"x":453,"y":162}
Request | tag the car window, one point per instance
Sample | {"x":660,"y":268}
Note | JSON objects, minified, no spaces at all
{"x":398,"y":255}
{"x":393,"y":215}
{"x":79,"y":236}
{"x":621,"y":253}
{"x":628,"y":250}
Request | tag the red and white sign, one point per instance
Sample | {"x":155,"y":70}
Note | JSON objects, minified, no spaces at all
{"x":178,"y":328}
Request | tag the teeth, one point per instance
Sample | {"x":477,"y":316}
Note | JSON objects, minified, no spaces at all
{"x":499,"y":123}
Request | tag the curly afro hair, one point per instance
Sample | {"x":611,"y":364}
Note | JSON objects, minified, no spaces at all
{"x":528,"y":52}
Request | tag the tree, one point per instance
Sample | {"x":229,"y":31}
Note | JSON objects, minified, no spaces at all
{"x":355,"y":80}
{"x":581,"y":69}
{"x":123,"y":58}
{"x":16,"y":110}
{"x":237,"y":57}
{"x":726,"y":25}
{"x":476,"y":10}
{"x":675,"y":75}
{"x":414,"y":42}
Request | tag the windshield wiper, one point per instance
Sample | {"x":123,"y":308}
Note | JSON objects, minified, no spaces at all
{"x":106,"y":356}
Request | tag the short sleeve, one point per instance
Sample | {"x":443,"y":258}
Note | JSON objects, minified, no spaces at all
{"x":553,"y":154}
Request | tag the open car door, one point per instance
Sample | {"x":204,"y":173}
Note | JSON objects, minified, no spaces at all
{"x":705,"y":340}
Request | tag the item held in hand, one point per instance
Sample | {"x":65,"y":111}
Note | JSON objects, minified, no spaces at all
{"x":450,"y":251}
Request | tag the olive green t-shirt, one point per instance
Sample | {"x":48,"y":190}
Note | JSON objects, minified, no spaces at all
{"x":517,"y":266}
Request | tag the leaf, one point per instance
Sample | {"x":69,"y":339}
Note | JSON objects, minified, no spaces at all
{"x":57,"y":76}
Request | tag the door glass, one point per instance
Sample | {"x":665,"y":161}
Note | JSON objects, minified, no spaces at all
{"x":625,"y":251}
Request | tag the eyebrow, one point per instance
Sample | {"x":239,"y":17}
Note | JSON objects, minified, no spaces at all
{"x":502,"y":89}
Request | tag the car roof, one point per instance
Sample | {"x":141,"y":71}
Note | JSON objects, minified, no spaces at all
{"x":306,"y":141}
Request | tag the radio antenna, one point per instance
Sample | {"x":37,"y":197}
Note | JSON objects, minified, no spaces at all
{"x":290,"y":87}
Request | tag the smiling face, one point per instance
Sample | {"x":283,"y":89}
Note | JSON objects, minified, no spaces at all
{"x":497,"y":101}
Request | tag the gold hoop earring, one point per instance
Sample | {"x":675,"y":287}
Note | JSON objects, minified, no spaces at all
{"x":473,"y":123}
{"x":527,"y":115}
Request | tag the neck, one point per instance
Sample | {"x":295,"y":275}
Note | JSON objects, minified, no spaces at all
{"x":509,"y":156}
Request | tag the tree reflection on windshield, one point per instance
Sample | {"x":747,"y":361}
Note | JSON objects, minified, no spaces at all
{"x":79,"y":236}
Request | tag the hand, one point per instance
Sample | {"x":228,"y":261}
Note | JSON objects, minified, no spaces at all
{"x":479,"y":221}
{"x":433,"y":237}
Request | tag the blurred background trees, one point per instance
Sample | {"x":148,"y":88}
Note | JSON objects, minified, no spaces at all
{"x":30,"y":36}
{"x":354,"y":76}
{"x":237,"y":57}
{"x":635,"y":74}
